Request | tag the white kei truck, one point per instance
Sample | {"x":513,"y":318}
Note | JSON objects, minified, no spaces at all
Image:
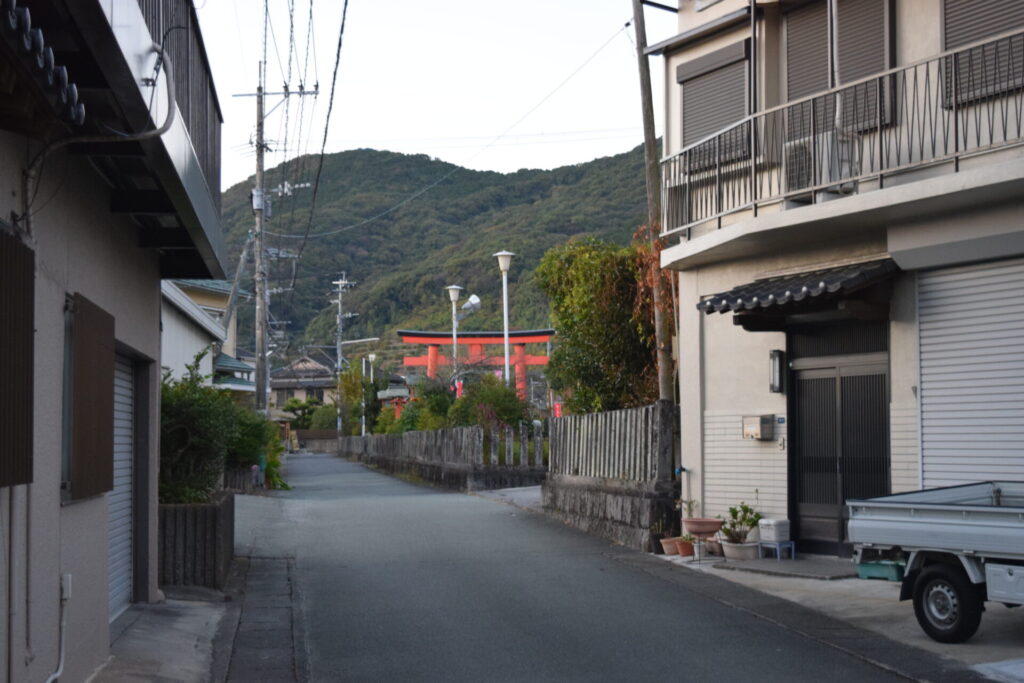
{"x":959,"y":547}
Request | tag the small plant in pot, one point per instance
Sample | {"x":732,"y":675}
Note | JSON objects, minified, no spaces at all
{"x":735,"y":528}
{"x":684,"y":545}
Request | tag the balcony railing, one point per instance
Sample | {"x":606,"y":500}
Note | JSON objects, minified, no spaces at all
{"x":960,"y":103}
{"x":193,"y":82}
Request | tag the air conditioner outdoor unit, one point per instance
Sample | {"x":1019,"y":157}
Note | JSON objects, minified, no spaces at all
{"x":827,"y":158}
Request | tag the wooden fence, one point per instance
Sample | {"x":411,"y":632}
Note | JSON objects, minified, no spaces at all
{"x":463,"y":457}
{"x":611,"y":474}
{"x":196,"y":542}
{"x":630,"y":445}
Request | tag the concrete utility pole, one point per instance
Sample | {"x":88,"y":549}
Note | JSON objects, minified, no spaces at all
{"x":662,"y":333}
{"x":343,"y":284}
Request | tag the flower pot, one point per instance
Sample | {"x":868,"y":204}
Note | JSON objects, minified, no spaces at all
{"x":685,"y":548}
{"x":739,"y":551}
{"x":669,"y":545}
{"x":702,"y":526}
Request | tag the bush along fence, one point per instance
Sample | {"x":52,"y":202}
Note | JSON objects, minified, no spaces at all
{"x":197,"y":542}
{"x":611,"y":474}
{"x":461,"y":458}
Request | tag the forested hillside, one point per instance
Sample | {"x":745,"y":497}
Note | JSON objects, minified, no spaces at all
{"x":446,"y":235}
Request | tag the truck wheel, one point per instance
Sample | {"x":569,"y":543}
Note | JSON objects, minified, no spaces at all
{"x":947,"y":605}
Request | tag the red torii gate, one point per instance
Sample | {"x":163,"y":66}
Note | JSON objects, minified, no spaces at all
{"x":476,"y":341}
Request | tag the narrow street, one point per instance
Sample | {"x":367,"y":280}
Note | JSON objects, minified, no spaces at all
{"x":403,"y":582}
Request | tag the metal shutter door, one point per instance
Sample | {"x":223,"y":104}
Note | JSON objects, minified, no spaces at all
{"x":714,"y":101}
{"x":971,"y":321}
{"x":119,"y":500}
{"x":807,"y":58}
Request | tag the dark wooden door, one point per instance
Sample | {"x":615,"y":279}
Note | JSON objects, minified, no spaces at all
{"x":840,"y":444}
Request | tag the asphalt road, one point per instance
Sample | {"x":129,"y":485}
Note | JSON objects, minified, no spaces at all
{"x":401,"y":582}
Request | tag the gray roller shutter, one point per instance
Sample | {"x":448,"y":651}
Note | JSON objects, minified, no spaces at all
{"x":971,"y":322}
{"x":966,"y":21}
{"x":714,"y":101}
{"x":119,"y":500}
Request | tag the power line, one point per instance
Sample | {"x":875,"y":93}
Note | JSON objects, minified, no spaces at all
{"x":306,"y":236}
{"x":323,"y":144}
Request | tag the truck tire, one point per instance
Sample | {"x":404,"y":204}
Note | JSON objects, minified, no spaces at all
{"x":947,"y":605}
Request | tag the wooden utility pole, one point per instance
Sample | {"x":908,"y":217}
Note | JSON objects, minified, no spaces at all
{"x":662,"y":332}
{"x":258,"y":204}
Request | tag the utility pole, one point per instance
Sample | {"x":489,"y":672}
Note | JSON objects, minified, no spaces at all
{"x":662,"y":333}
{"x":262,"y":376}
{"x":260,"y":206}
{"x":343,"y":284}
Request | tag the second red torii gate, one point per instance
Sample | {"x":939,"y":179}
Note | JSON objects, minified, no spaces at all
{"x":476,"y":341}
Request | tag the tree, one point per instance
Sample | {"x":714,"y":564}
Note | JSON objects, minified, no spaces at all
{"x":302,"y":410}
{"x":487,"y":402}
{"x":605,"y":354}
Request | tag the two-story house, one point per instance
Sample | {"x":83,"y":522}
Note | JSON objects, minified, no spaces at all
{"x":842,"y":200}
{"x":110,"y":176}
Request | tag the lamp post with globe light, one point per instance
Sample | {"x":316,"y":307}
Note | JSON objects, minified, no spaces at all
{"x":504,"y":261}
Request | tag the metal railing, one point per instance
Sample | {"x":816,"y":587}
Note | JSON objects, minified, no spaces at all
{"x":193,"y":82}
{"x":960,"y":103}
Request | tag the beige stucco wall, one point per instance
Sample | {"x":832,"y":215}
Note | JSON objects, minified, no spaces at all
{"x":80,"y":247}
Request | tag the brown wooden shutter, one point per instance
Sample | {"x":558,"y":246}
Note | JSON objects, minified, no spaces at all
{"x":92,"y":423}
{"x":714,"y":101}
{"x":17,"y":329}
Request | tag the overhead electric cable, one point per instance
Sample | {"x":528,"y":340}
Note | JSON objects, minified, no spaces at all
{"x":323,"y":144}
{"x":307,"y":235}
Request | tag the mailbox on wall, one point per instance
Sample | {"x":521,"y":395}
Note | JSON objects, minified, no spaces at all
{"x":759,"y":427}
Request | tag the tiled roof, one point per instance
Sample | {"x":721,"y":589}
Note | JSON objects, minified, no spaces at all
{"x":789,"y":289}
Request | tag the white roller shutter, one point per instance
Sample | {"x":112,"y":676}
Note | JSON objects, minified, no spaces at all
{"x":971,"y":322}
{"x":119,"y":500}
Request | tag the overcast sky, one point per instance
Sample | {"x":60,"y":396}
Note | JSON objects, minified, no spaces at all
{"x":442,"y":78}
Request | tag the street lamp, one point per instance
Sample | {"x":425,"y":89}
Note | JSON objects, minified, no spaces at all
{"x":369,"y":357}
{"x":453,"y":294}
{"x":504,"y":261}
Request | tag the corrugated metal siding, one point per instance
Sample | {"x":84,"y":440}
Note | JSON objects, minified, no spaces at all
{"x":714,"y":101}
{"x":92,"y":399}
{"x":17,"y":313}
{"x":119,"y":500}
{"x":971,"y":321}
{"x":966,"y":21}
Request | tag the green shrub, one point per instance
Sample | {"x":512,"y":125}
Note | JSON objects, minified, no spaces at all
{"x":198,"y":426}
{"x":487,"y":402}
{"x":324,"y":417}
{"x":272,"y":473}
{"x":254,"y":431}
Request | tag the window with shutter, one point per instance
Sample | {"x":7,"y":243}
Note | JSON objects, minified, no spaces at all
{"x":989,"y":69}
{"x":862,"y":50}
{"x":89,"y":399}
{"x":17,"y":311}
{"x":714,"y":93}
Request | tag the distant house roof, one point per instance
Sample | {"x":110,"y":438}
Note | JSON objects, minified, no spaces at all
{"x":227,"y":363}
{"x":232,"y":382}
{"x":218,"y":286}
{"x":304,"y":367}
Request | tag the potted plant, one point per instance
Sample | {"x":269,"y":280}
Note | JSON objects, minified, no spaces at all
{"x":742,"y":518}
{"x":684,"y":545}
